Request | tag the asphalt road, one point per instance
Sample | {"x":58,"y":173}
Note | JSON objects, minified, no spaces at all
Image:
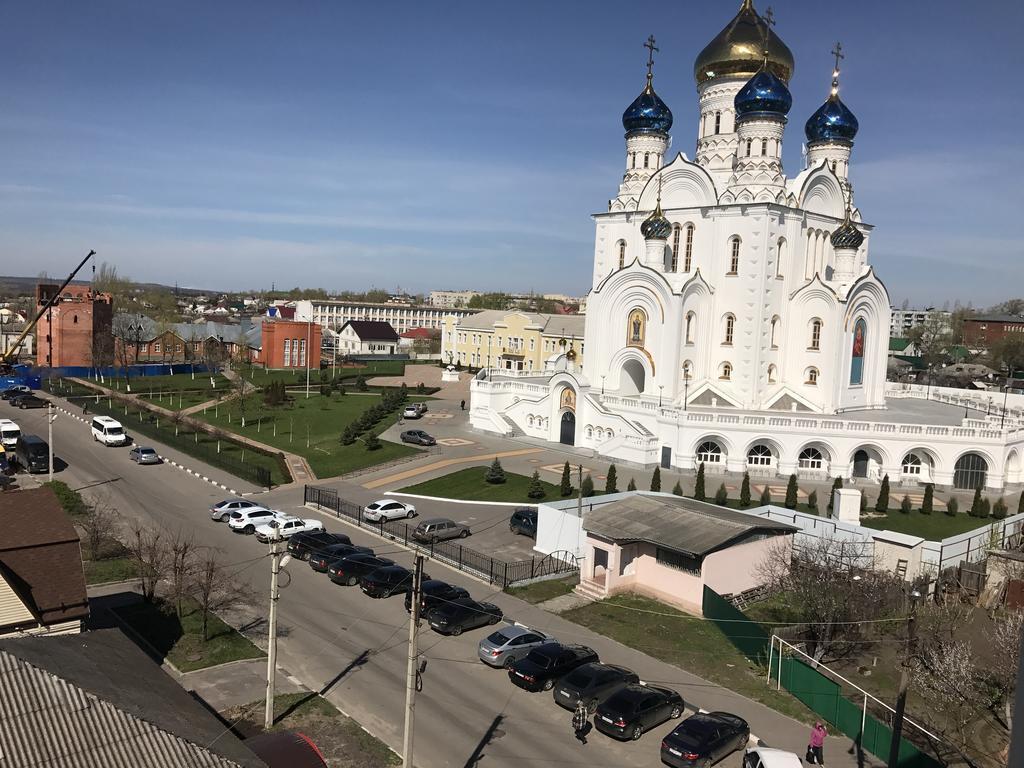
{"x":353,"y":648}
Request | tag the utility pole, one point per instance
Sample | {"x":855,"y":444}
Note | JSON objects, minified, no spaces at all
{"x":309,"y":325}
{"x":579,"y":491}
{"x":275,"y":569}
{"x":901,"y":701}
{"x":50,"y":418}
{"x":411,"y":668}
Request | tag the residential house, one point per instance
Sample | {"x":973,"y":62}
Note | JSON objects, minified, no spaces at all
{"x":42,"y":580}
{"x":511,"y":339}
{"x":367,"y":337}
{"x":984,"y":330}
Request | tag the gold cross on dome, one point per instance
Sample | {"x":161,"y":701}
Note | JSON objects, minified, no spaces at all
{"x":769,"y":17}
{"x":651,"y":48}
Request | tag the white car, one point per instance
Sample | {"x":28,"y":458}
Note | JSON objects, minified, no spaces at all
{"x":222,"y":509}
{"x":246,"y":520}
{"x":387,"y":509}
{"x":764,"y":757}
{"x":286,"y":527}
{"x":9,"y":434}
{"x":411,"y":412}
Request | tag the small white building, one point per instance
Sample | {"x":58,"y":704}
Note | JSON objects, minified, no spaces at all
{"x":367,"y":337}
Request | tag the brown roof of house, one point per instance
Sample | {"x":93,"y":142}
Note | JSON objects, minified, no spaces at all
{"x":41,"y":557}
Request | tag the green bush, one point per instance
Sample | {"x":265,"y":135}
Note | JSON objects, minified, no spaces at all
{"x":361,"y":383}
{"x":952,"y":506}
{"x":698,"y":486}
{"x":677,"y":489}
{"x":373,"y":442}
{"x":766,"y":496}
{"x":836,"y":485}
{"x":999,"y":509}
{"x":656,"y":479}
{"x":882,"y":504}
{"x":863,"y":503}
{"x":722,"y":496}
{"x":976,"y":504}
{"x":632,"y":485}
{"x":587,"y":487}
{"x":495,"y":475}
{"x":745,"y":491}
{"x":565,"y":489}
{"x":905,"y":506}
{"x":610,"y":481}
{"x":791,"y":493}
{"x":812,"y":500}
{"x":71,"y":501}
{"x":986,"y":508}
{"x":928,"y":501}
{"x":536,"y":489}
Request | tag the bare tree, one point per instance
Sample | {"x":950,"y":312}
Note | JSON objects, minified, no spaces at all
{"x":129,"y":333}
{"x":181,"y":550}
{"x":829,"y":586}
{"x":215,"y":588}
{"x":100,"y":527}
{"x":932,"y":338}
{"x":1006,"y":638}
{"x":148,"y":549}
{"x":177,"y":419}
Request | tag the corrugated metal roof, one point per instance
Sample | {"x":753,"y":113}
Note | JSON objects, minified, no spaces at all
{"x":679,"y":524}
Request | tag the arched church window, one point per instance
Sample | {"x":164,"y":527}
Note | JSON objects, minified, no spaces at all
{"x":647,"y":157}
{"x":718,"y":122}
{"x":709,"y":452}
{"x":750,"y":143}
{"x":726,"y":373}
{"x":764,"y":146}
{"x":810,"y":458}
{"x":688,"y":255}
{"x":675,"y":248}
{"x":690,"y":322}
{"x":730,"y":328}
{"x":632,"y":156}
{"x":781,"y":257}
{"x":815,"y":334}
{"x":622,"y":254}
{"x":734,"y":256}
{"x":759,"y":455}
{"x":771,"y":374}
{"x":911,"y":464}
{"x":776,"y":322}
{"x":812,"y":377}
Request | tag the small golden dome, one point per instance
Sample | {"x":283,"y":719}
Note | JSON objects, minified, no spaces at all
{"x":738,"y":50}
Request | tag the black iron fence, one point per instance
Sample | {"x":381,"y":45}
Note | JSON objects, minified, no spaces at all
{"x":500,"y":572}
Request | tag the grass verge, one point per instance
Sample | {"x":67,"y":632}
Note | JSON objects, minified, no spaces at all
{"x":180,"y":641}
{"x":687,"y":642}
{"x":110,"y":569}
{"x":934,"y":527}
{"x":540,"y":591}
{"x":469,"y":484}
{"x":340,"y":739}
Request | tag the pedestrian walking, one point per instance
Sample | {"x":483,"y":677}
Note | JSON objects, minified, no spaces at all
{"x":580,"y":721}
{"x":816,"y":746}
{"x":462,"y":405}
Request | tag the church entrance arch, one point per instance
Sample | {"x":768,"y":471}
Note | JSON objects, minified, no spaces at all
{"x":631,"y":379}
{"x":567,"y":435}
{"x":860,"y":463}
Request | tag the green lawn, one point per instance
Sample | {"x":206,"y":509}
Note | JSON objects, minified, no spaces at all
{"x":540,"y":591}
{"x":319,"y":419}
{"x":469,"y":484}
{"x":687,"y":642}
{"x":934,"y":527}
{"x":181,"y":642}
{"x":111,"y":569}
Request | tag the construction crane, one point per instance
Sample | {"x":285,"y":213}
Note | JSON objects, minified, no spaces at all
{"x":9,"y":355}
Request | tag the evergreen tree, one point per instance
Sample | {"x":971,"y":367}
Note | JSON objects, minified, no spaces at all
{"x":976,"y":503}
{"x":928,"y":500}
{"x":863,"y":503}
{"x":1020,"y":505}
{"x":610,"y":480}
{"x":677,"y":489}
{"x":952,"y":506}
{"x":348,"y":436}
{"x":373,"y":442}
{"x":698,"y":486}
{"x":882,"y":505}
{"x":836,"y":485}
{"x":986,"y":508}
{"x":722,"y":496}
{"x":565,"y":489}
{"x":812,"y":501}
{"x":999,"y":509}
{"x":656,"y":479}
{"x":587,"y":486}
{"x":905,"y":505}
{"x":632,"y":485}
{"x":361,"y":383}
{"x":536,"y":490}
{"x":495,"y":475}
{"x":745,"y":491}
{"x":791,"y":493}
{"x":766,"y":497}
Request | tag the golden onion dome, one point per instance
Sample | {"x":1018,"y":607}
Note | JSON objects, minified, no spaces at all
{"x":738,"y":50}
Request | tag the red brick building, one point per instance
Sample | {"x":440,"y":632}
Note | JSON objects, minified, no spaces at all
{"x":985,"y":330}
{"x":285,"y":344}
{"x":76,"y":330}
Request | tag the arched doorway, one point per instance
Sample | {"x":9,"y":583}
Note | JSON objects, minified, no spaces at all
{"x":860,"y":463}
{"x":970,"y":472}
{"x":567,"y":436}
{"x":631,"y":380}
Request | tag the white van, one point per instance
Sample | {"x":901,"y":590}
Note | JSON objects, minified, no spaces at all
{"x":9,"y":434}
{"x":108,"y":431}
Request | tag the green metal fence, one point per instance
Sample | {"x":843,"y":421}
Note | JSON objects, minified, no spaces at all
{"x":820,"y":693}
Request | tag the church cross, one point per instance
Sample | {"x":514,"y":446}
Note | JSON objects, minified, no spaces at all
{"x":651,"y":48}
{"x":769,"y":17}
{"x":769,"y":22}
{"x":838,"y":53}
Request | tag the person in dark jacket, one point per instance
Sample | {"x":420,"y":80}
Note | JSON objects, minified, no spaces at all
{"x":580,"y":721}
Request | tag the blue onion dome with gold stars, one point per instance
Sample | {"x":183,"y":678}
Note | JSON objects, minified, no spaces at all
{"x":847,"y":235}
{"x":764,"y":95}
{"x":738,"y":50}
{"x":656,"y":226}
{"x":648,"y":113}
{"x":833,"y":122}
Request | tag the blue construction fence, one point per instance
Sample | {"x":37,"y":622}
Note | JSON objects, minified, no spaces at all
{"x":32,"y":377}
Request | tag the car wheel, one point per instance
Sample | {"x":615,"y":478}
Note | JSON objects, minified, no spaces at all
{"x":676,"y":712}
{"x":225,"y":517}
{"x":548,"y":685}
{"x":512,"y":529}
{"x":638,"y":731}
{"x":250,"y":529}
{"x":463,"y":534}
{"x":492,"y":619}
{"x":409,"y":514}
{"x":456,"y":631}
{"x":351,"y":581}
{"x":509,"y":662}
{"x":591,"y":706}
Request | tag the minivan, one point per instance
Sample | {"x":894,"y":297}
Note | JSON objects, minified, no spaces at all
{"x":108,"y":431}
{"x":33,"y":453}
{"x":9,"y":434}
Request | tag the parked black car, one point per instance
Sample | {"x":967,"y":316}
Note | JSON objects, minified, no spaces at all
{"x":387,"y":581}
{"x":637,"y":708}
{"x":349,"y":570}
{"x":524,"y":521}
{"x":29,"y":401}
{"x":434,"y":592}
{"x":320,"y":559}
{"x":461,"y":614}
{"x":302,"y":545}
{"x":417,"y":436}
{"x":703,"y":739}
{"x":544,"y":665}
{"x":592,"y":684}
{"x":12,"y":392}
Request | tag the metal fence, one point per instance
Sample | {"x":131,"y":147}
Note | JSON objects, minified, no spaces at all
{"x":502,"y":573}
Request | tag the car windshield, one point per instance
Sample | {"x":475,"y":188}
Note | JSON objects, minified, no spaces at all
{"x":115,"y":431}
{"x":580,"y":677}
{"x":540,"y":659}
{"x":622,"y":702}
{"x":147,"y":451}
{"x":498,"y":638}
{"x":692,"y":735}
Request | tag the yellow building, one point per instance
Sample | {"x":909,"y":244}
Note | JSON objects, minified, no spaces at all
{"x":511,"y":340}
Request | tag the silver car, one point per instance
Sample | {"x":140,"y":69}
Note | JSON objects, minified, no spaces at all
{"x":142,"y":454}
{"x":510,"y":644}
{"x":222,"y":509}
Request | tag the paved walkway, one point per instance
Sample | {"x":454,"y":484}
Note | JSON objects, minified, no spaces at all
{"x":433,"y":467}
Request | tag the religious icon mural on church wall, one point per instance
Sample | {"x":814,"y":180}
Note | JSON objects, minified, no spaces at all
{"x":857,"y":355}
{"x":568,"y":399}
{"x":637,"y":328}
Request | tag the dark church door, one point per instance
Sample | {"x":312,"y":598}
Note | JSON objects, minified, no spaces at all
{"x":568,"y":435}
{"x":860,"y":464}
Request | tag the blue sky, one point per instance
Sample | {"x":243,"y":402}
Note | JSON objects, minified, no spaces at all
{"x":464,"y":144}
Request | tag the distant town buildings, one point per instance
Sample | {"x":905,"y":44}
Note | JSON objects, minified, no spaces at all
{"x":334,"y":313}
{"x":901,"y":321}
{"x":985,"y":330}
{"x":511,"y":340}
{"x":451,"y":299}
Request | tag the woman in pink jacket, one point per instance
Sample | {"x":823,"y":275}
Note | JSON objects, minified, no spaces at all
{"x":816,"y":746}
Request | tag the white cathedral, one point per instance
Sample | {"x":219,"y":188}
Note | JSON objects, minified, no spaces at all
{"x":734,"y":318}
